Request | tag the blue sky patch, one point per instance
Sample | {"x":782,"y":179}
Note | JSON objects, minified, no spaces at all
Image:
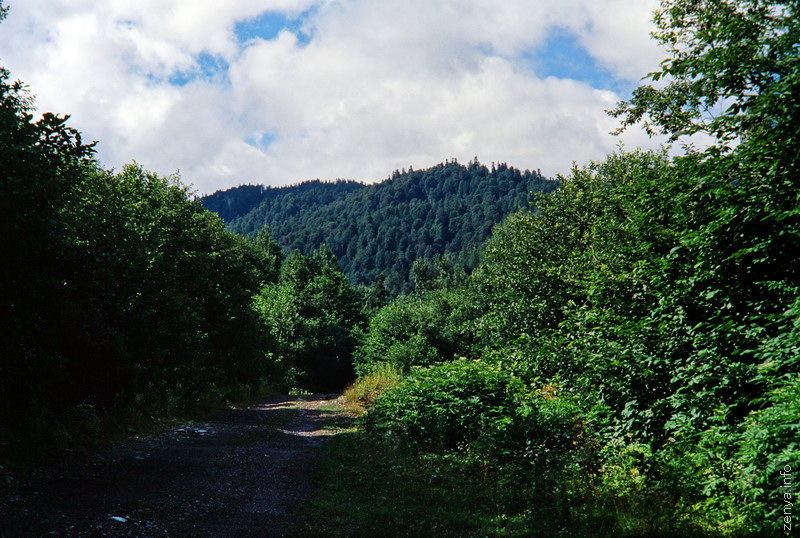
{"x":209,"y":67}
{"x":265,"y":26}
{"x":268,"y":25}
{"x":261,"y":141}
{"x":564,"y":57}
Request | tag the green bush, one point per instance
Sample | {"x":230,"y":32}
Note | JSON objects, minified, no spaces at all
{"x":770,"y":444}
{"x":741,"y":469}
{"x":478,"y":409}
{"x":443,"y":407}
{"x":312,"y":315}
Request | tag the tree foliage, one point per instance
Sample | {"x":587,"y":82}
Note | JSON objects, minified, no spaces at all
{"x":418,"y":330}
{"x":732,"y":70}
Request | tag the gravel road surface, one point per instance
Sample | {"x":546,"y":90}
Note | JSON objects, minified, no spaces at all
{"x":244,"y":472}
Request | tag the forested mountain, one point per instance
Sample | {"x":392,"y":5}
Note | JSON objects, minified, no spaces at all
{"x":259,"y":200}
{"x":448,"y":209}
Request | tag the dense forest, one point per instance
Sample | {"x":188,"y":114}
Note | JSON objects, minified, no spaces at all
{"x":623,"y":361}
{"x":378,"y":231}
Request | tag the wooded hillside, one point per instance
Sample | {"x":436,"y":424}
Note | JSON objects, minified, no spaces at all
{"x":449,"y":209}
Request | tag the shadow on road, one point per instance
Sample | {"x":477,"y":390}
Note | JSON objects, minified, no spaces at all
{"x":243,"y":472}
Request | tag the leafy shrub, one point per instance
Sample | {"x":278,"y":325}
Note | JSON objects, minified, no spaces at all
{"x":523,"y":439}
{"x":444,"y":406}
{"x":415,"y":351}
{"x":539,"y":433}
{"x":312,"y":315}
{"x":481,"y":410}
{"x":741,"y":469}
{"x":770,"y":443}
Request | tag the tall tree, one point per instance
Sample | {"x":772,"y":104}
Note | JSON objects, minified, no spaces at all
{"x":312,"y":313}
{"x":39,"y":160}
{"x":732,"y":71}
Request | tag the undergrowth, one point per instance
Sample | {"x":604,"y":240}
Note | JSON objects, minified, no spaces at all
{"x":370,"y":487}
{"x":466,"y":449}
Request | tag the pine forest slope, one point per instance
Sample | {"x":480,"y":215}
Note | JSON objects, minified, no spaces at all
{"x":258,"y":202}
{"x":449,"y":209}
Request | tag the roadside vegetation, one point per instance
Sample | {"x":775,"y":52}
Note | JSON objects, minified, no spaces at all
{"x":624,"y":360}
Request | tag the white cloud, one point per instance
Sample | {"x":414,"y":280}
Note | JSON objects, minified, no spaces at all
{"x":381,"y":84}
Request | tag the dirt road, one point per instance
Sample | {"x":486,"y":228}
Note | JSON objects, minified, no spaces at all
{"x":243,"y":473}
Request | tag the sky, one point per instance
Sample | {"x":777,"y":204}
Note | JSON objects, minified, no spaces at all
{"x":280,"y":91}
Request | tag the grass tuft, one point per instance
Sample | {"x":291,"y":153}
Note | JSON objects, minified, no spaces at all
{"x":366,"y":389}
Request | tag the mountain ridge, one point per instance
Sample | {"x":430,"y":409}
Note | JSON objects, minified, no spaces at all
{"x":446,"y":210}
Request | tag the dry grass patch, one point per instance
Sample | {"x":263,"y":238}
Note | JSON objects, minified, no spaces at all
{"x":366,"y":389}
